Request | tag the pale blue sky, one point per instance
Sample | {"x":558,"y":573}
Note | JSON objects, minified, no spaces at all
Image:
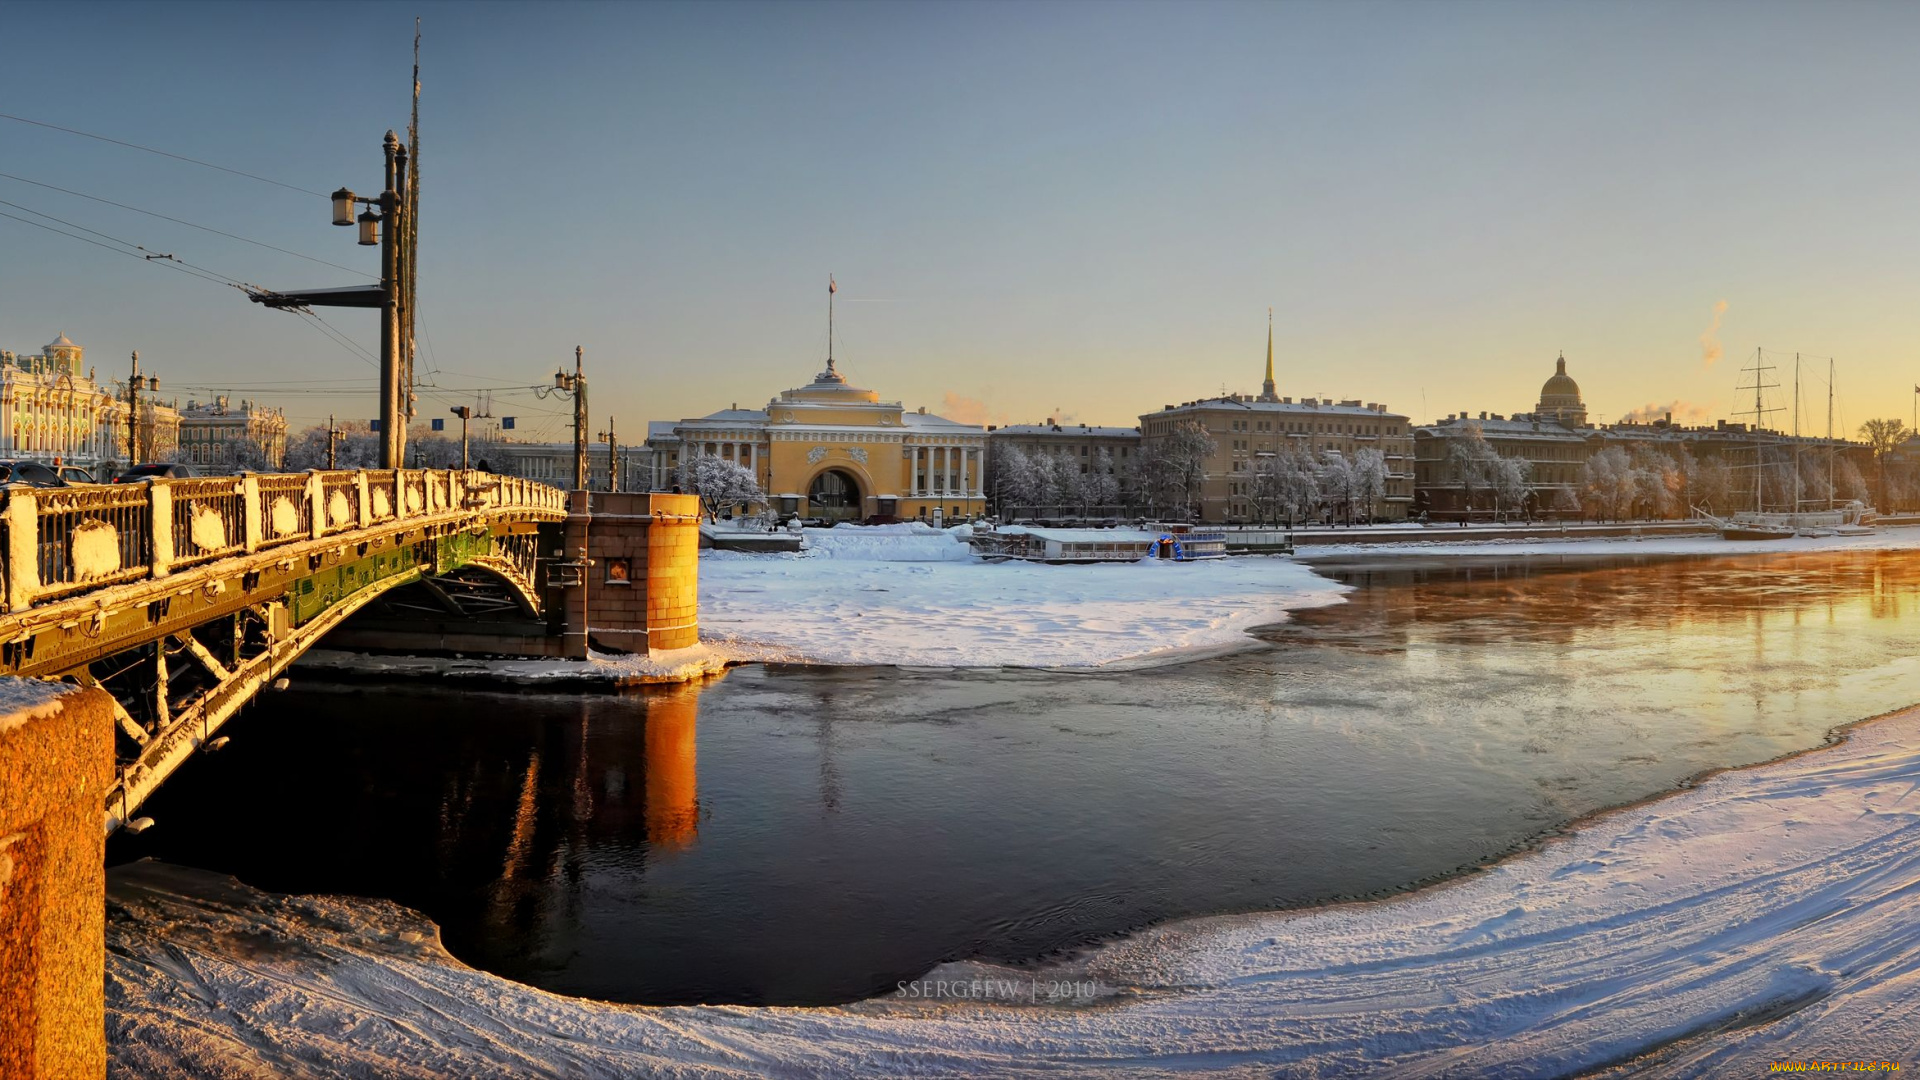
{"x":1071,"y":207}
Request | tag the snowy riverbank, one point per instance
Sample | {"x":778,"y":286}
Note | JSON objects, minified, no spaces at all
{"x":1768,"y":914}
{"x":602,"y":670}
{"x":1442,"y":541}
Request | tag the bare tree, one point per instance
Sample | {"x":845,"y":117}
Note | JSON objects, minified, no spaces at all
{"x":1883,"y":436}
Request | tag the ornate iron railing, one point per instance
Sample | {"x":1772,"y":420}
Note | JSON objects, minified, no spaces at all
{"x":339,"y":508}
{"x":285,"y":509}
{"x":209,"y":518}
{"x":58,"y":542}
{"x":80,"y":539}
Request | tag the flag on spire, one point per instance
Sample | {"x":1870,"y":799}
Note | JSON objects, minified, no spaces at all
{"x":831,"y":287}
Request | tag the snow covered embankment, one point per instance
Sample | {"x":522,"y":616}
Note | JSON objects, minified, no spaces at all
{"x":914,"y":596}
{"x":1769,"y":914}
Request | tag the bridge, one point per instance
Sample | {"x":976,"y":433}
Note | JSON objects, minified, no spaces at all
{"x":183,"y":598}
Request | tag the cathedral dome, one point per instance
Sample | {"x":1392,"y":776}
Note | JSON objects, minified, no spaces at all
{"x":1560,"y":390}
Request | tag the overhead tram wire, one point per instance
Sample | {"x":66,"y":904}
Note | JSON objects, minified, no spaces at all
{"x":165,"y":154}
{"x":133,"y":251}
{"x":188,"y":224}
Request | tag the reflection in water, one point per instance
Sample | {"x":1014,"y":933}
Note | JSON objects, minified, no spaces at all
{"x":806,"y":836}
{"x":673,"y":788}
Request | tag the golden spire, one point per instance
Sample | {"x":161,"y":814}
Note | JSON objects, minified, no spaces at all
{"x":1267,"y":391}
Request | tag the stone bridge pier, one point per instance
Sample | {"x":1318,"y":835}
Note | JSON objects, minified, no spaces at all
{"x":631,"y":563}
{"x":56,"y":762}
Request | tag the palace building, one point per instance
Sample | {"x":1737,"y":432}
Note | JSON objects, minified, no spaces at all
{"x":218,"y":437}
{"x":833,"y":451}
{"x":51,"y":409}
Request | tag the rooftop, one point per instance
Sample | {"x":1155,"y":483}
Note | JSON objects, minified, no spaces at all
{"x":1309,"y":406}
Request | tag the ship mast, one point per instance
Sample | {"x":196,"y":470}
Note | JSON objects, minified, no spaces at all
{"x":1759,"y":412}
{"x":1832,"y":495}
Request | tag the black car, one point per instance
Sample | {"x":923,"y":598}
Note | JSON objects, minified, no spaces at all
{"x":30,"y":473}
{"x":153,"y":472}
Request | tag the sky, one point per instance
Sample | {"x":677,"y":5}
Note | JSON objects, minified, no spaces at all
{"x":1074,"y":210}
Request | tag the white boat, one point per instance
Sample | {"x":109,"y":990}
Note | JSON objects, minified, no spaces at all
{"x":1854,"y":519}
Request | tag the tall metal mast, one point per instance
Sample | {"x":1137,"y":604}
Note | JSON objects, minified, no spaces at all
{"x":1759,"y":412}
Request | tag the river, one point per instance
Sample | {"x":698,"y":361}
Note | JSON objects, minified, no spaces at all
{"x":792,"y":835}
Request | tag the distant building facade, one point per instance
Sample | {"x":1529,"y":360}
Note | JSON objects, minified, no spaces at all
{"x":51,"y":409}
{"x":552,"y":463}
{"x":834,"y":451}
{"x":1078,"y":445}
{"x":217,"y":437}
{"x":1557,"y":442}
{"x":1248,"y":428}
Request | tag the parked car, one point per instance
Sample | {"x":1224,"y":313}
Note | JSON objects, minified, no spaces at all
{"x":74,"y":474}
{"x":154,"y":472}
{"x":30,"y":473}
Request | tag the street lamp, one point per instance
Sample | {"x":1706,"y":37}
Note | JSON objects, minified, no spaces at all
{"x":613,"y":455}
{"x":575,"y":385}
{"x":383,"y":223}
{"x":136,"y":383}
{"x":465,"y":413}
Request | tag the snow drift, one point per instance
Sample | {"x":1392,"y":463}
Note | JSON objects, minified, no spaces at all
{"x":1768,"y":914}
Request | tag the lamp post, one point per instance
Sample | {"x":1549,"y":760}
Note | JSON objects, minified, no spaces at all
{"x":613,"y":456}
{"x":576,"y":384}
{"x":135,"y":384}
{"x":465,"y":413}
{"x":334,"y":434}
{"x":382,"y":223}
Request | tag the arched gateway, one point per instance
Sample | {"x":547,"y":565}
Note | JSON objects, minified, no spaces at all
{"x":834,"y":495}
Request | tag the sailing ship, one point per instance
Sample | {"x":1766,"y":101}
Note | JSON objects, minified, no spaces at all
{"x":1853,"y":519}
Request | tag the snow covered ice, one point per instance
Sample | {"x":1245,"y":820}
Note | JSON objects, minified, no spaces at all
{"x":912,"y":595}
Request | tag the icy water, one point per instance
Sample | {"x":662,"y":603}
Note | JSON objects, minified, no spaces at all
{"x":786,"y":835}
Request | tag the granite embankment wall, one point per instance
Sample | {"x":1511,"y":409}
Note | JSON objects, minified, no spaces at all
{"x":56,"y":760}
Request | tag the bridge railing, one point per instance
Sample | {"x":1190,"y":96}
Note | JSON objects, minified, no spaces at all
{"x":209,"y":518}
{"x":56,"y":542}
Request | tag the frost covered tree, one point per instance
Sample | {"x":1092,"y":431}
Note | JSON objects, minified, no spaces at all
{"x":1369,"y":480}
{"x":1508,"y":477}
{"x":1335,"y":479}
{"x":1299,"y":483}
{"x":1472,"y":462}
{"x":1710,"y":484}
{"x":1183,"y":454}
{"x":1608,"y":484}
{"x":1102,"y":487}
{"x":1849,"y":485}
{"x":1053,"y":487}
{"x":1016,"y":480}
{"x":720,"y":484}
{"x":357,"y":448}
{"x":1154,"y":480}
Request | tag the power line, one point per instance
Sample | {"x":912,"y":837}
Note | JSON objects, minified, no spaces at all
{"x":339,"y":338}
{"x":162,"y":153}
{"x":188,"y":224}
{"x":164,"y":260}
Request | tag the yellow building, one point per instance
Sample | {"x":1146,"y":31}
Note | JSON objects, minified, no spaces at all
{"x":834,"y":451}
